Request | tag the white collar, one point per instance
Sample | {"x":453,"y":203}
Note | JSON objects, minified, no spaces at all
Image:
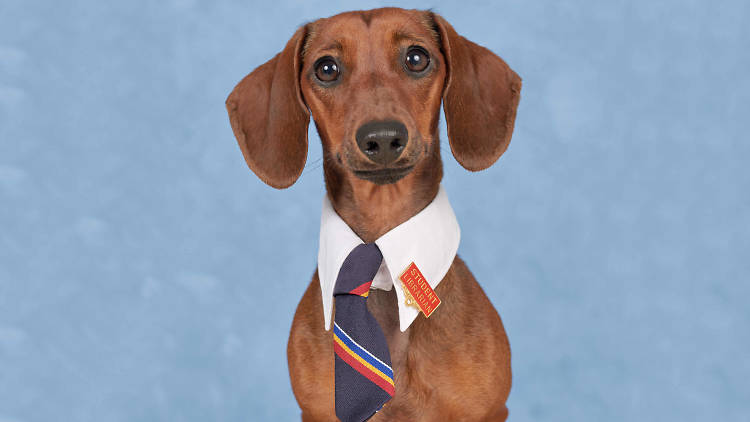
{"x":429,"y":239}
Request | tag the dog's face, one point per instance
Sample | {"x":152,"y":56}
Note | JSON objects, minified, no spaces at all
{"x":374,"y":82}
{"x":382,"y":76}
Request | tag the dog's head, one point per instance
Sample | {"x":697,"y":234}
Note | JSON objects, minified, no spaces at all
{"x":374,"y":82}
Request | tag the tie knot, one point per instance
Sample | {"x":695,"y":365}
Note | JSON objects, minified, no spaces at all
{"x":358,"y":270}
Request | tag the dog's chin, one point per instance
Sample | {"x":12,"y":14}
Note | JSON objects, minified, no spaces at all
{"x":384,"y":176}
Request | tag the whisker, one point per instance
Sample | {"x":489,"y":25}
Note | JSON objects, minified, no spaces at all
{"x":313,"y":163}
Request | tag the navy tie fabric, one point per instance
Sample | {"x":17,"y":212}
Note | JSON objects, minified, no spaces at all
{"x":364,"y":378}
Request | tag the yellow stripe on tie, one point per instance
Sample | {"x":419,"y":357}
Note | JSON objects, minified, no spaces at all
{"x":365,"y":294}
{"x":362,"y":361}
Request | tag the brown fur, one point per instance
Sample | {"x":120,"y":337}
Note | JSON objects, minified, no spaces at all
{"x":456,"y":365}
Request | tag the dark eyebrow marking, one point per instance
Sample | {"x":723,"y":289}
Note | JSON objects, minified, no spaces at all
{"x":335,"y":45}
{"x":401,"y":36}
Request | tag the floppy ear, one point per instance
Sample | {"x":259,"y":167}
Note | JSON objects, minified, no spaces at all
{"x":269,"y":117}
{"x":480,"y":98}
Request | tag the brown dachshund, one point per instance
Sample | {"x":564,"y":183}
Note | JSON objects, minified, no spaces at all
{"x":387,"y":71}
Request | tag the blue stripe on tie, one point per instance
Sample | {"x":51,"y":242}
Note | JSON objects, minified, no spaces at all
{"x":361,"y":351}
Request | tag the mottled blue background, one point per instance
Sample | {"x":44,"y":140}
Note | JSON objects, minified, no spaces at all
{"x":147,"y":275}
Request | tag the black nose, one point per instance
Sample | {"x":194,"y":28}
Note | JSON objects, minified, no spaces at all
{"x":382,"y":142}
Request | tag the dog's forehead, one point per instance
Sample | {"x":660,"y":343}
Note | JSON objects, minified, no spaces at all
{"x":348,"y":29}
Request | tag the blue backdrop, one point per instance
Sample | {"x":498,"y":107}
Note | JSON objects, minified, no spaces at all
{"x":147,"y":275}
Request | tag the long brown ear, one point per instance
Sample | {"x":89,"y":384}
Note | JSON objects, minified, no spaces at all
{"x":269,"y":117}
{"x":480,"y":98}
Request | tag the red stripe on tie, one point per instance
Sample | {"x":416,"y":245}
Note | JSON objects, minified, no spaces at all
{"x":365,"y":371}
{"x":361,"y":289}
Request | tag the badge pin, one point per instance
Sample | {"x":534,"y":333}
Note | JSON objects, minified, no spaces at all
{"x":417,"y":291}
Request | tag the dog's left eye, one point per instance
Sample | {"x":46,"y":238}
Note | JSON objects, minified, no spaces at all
{"x":417,"y":59}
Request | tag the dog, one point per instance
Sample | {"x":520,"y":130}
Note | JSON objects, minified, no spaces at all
{"x":374,"y":82}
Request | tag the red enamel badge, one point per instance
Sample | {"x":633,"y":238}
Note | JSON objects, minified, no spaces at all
{"x":418,"y":291}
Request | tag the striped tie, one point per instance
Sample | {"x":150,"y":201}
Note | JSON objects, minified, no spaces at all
{"x":364,"y":378}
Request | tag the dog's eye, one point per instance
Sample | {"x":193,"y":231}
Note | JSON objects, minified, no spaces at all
{"x":417,"y":59}
{"x":326,"y":69}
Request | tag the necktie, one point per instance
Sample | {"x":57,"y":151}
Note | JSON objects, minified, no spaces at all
{"x":363,"y":374}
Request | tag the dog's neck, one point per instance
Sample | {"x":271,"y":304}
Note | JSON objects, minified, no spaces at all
{"x":372,"y":210}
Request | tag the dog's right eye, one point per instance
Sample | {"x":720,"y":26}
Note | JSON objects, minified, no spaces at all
{"x":326,"y":69}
